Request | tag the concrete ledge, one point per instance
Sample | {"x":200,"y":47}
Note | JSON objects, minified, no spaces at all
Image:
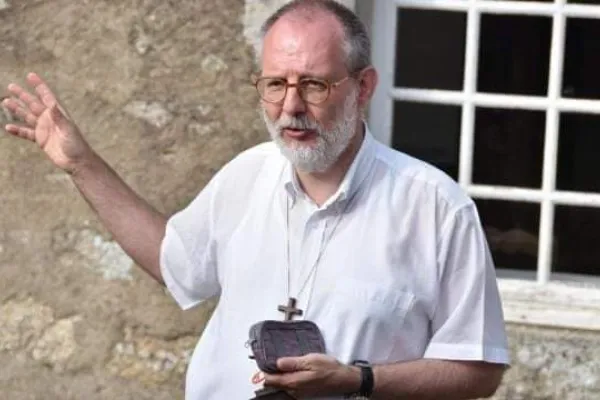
{"x":564,"y":304}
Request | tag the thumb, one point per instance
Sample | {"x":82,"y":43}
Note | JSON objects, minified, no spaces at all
{"x":56,"y":114}
{"x":59,"y":113}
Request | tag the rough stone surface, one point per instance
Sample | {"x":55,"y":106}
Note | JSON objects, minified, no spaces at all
{"x":89,"y":249}
{"x":152,"y":361}
{"x":153,"y":85}
{"x":23,"y":323}
{"x":552,"y":364}
{"x":57,"y":343}
{"x":151,"y":112}
{"x":4,"y":4}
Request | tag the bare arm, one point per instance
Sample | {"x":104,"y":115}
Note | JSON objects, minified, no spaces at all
{"x":135,"y":225}
{"x":321,"y":375}
{"x":437,"y":379}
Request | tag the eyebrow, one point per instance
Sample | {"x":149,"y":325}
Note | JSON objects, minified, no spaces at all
{"x":304,"y":76}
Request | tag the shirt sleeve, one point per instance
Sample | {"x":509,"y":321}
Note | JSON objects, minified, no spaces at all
{"x":188,"y":252}
{"x":468,"y":321}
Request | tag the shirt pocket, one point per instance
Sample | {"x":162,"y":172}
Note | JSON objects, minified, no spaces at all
{"x":364,"y":320}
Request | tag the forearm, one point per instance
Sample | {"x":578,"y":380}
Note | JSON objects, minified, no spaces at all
{"x":436,"y":379}
{"x":134,"y":224}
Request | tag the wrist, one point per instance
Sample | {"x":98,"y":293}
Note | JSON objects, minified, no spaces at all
{"x":363,"y":385}
{"x":84,"y":165}
{"x":352,"y":380}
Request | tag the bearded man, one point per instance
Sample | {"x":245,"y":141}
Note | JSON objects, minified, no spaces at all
{"x":384,"y":253}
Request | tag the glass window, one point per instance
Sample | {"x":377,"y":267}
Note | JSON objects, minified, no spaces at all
{"x":430,"y":58}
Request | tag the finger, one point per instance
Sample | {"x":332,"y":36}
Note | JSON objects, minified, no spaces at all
{"x":289,"y":381}
{"x":258,"y":377}
{"x":17,"y":109}
{"x":21,"y":131}
{"x":304,"y":363}
{"x":57,"y":113}
{"x":41,"y":88}
{"x":289,"y":364}
{"x":29,"y":100}
{"x":277,"y":381}
{"x":20,"y":111}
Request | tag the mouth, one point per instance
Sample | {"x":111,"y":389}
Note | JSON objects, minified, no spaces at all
{"x":299,"y":134}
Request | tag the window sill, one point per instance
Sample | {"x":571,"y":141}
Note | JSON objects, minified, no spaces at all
{"x":567,"y":301}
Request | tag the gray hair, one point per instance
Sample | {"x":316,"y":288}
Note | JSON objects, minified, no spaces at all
{"x":357,"y":44}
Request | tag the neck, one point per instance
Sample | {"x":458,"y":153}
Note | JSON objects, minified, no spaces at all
{"x":320,"y":186}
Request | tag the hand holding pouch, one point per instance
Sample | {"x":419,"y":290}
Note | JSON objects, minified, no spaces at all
{"x":271,"y":340}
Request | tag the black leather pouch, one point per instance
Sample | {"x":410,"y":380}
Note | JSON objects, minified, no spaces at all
{"x":271,"y":340}
{"x":272,"y":394}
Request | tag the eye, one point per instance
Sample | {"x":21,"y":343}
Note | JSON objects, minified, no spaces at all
{"x":314,"y":85}
{"x":274,"y":84}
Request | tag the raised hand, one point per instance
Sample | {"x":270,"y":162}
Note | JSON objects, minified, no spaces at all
{"x":46,"y":123}
{"x":136,"y":225}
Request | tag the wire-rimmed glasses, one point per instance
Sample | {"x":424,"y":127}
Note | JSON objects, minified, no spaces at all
{"x":311,"y":90}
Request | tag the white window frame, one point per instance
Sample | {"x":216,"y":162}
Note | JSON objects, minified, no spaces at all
{"x":548,"y":298}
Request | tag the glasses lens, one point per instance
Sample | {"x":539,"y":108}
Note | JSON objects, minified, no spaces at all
{"x":314,"y":90}
{"x":271,"y":89}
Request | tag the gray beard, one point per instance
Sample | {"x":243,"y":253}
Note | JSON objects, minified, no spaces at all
{"x":330,"y":144}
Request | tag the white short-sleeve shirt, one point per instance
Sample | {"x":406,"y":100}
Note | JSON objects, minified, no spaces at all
{"x":404,"y":269}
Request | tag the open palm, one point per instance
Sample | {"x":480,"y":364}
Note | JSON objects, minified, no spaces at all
{"x":46,"y":123}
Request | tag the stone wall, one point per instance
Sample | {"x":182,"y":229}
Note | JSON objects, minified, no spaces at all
{"x":552,"y":364}
{"x":161,"y":90}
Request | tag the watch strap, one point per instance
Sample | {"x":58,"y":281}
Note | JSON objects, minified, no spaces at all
{"x":367,"y":380}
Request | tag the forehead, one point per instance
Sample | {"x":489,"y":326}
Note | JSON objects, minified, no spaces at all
{"x":298,"y":45}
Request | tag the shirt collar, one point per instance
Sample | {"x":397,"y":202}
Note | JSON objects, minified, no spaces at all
{"x":355,"y":175}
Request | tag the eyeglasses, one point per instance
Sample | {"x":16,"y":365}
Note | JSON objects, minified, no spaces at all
{"x":311,"y":90}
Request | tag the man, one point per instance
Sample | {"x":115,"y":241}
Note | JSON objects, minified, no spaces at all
{"x":383,"y":252}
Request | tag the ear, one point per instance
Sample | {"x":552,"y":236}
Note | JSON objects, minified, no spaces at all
{"x":367,"y":80}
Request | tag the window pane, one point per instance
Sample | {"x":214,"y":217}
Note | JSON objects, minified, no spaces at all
{"x":512,"y":232}
{"x":578,"y":146}
{"x":509,"y":147}
{"x":514,"y":54}
{"x":429,"y":132}
{"x":582,"y":57}
{"x":430,"y":58}
{"x":576,"y":247}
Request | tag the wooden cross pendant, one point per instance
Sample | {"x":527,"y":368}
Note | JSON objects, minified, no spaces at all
{"x":290,"y":310}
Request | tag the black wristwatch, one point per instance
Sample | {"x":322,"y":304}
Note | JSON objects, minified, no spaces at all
{"x":367,"y":381}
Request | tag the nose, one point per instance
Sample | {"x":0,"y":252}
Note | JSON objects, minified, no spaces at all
{"x":293,"y":103}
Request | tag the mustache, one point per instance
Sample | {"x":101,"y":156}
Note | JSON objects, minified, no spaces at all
{"x":299,"y":122}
